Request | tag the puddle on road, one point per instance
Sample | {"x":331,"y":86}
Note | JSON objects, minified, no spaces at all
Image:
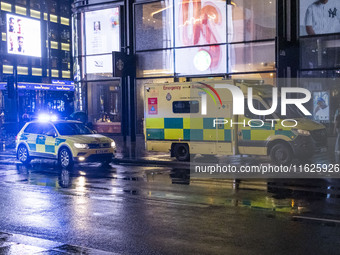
{"x":176,"y":185}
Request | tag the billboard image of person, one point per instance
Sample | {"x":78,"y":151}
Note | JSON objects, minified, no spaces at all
{"x":11,"y":28}
{"x":320,"y":17}
{"x":21,"y":44}
{"x":23,"y":36}
{"x":96,"y":26}
{"x":11,"y":43}
{"x":321,"y":106}
{"x":19,"y":26}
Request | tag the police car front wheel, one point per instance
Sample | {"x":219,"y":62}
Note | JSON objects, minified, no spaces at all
{"x":65,"y":158}
{"x":23,"y":154}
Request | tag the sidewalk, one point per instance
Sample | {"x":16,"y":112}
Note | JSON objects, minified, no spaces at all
{"x":21,"y":244}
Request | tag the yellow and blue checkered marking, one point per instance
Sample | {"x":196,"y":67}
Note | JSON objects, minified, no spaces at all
{"x":40,"y":144}
{"x":202,"y":129}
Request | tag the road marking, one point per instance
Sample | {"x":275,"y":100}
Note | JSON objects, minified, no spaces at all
{"x":316,"y":219}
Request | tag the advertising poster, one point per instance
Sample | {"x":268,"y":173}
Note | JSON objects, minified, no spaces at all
{"x":321,"y":106}
{"x":23,"y":36}
{"x":201,"y":60}
{"x":102,"y":30}
{"x":200,"y":23}
{"x":99,"y":64}
{"x":319,"y":17}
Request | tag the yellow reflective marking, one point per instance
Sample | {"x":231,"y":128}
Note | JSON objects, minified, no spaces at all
{"x":173,"y":134}
{"x":261,"y":135}
{"x":186,"y":123}
{"x":213,"y":135}
{"x":157,"y":123}
{"x":40,"y":147}
{"x":196,"y":123}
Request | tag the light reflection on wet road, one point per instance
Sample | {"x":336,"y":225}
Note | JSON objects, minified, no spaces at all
{"x":158,"y":210}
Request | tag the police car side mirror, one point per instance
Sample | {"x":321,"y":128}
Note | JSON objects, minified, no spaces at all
{"x":51,"y":133}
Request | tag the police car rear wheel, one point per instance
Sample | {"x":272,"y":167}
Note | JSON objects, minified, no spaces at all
{"x":181,"y":152}
{"x":281,"y":154}
{"x":65,"y":158}
{"x":23,"y":154}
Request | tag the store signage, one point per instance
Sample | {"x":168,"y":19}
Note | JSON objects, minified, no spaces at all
{"x":37,"y":86}
{"x":62,"y":82}
{"x":23,"y":36}
{"x":99,"y":64}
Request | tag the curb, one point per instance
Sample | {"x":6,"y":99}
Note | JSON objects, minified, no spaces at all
{"x":151,"y":162}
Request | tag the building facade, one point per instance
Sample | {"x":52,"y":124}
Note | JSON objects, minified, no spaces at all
{"x":175,"y":40}
{"x":35,"y":54}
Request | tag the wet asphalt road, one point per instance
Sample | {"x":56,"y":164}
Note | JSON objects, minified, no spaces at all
{"x":128,"y":209}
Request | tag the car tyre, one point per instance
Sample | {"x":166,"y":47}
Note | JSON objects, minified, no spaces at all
{"x":23,"y":154}
{"x":65,"y":159}
{"x":281,"y":154}
{"x":181,"y":152}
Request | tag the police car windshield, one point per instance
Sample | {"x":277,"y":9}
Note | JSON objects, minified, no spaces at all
{"x":72,"y":129}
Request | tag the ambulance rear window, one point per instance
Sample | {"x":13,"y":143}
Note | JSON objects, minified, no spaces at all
{"x":185,"y":107}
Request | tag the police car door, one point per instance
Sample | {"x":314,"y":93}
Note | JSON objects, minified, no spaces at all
{"x":31,"y":133}
{"x":50,"y":135}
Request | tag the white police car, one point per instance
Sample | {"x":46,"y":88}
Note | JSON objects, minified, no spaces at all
{"x":66,"y":141}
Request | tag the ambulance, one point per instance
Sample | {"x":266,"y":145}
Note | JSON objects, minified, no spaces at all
{"x":198,"y":118}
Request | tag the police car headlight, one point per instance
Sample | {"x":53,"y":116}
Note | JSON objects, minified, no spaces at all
{"x":81,"y":145}
{"x":113,"y":144}
{"x":301,"y":132}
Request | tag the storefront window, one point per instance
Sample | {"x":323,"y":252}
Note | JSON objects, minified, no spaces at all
{"x":200,"y":22}
{"x":155,"y":63}
{"x":251,"y":20}
{"x":325,"y":95}
{"x":320,"y":52}
{"x":262,"y":78}
{"x":201,"y":60}
{"x":252,"y":57}
{"x":80,"y":96}
{"x":20,"y":2}
{"x":154,"y":25}
{"x":34,"y":102}
{"x":319,"y":17}
{"x":104,"y":106}
{"x":52,"y":6}
{"x":35,"y":4}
